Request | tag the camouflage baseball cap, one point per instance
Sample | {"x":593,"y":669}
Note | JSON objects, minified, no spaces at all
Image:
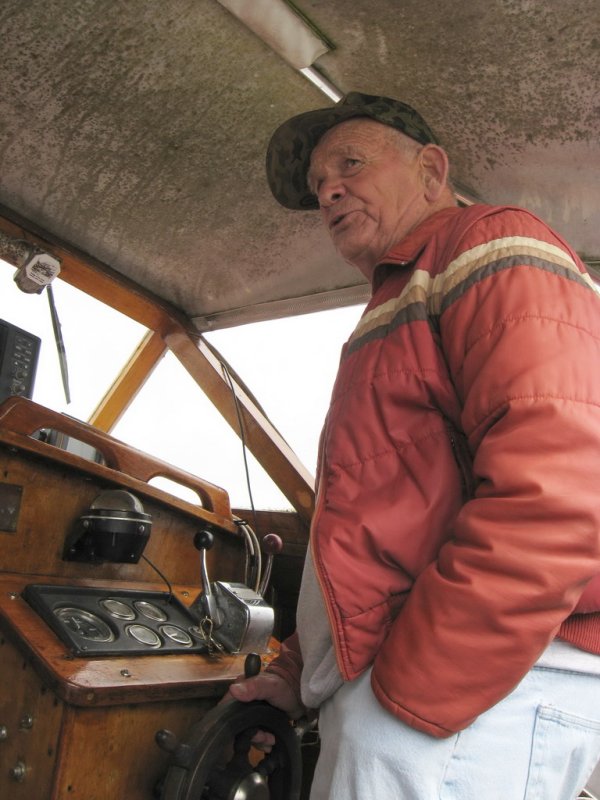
{"x":290,"y":148}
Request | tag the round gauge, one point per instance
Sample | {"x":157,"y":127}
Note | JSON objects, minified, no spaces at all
{"x":84,"y":624}
{"x":150,"y":611}
{"x":118,"y":609}
{"x":176,"y":634}
{"x":143,"y":635}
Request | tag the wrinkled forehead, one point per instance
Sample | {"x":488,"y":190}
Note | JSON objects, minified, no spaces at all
{"x":360,"y":134}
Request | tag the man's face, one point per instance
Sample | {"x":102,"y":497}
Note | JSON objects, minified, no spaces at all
{"x":368,"y":183}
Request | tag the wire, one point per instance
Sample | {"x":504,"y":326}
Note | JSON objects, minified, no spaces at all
{"x":243,"y":439}
{"x":258,"y":556}
{"x":162,"y":575}
{"x":252,"y":546}
{"x":249,"y":560}
{"x":251,"y":537}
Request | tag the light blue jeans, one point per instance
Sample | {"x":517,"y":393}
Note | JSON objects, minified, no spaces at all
{"x":539,"y":743}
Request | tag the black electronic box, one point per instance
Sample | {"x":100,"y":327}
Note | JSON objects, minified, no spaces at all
{"x":19,"y":353}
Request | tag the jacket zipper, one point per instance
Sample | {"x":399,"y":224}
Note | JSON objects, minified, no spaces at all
{"x":464,"y":461}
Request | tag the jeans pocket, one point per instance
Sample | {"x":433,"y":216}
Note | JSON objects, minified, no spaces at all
{"x":564,"y":751}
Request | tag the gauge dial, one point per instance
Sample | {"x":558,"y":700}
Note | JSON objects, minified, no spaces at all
{"x":84,"y":624}
{"x":176,"y":634}
{"x":150,"y":611}
{"x":117,"y":608}
{"x":143,"y":635}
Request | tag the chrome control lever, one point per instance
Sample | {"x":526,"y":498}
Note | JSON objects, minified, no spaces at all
{"x":231,"y":616}
{"x":203,"y":541}
{"x":272,"y":545}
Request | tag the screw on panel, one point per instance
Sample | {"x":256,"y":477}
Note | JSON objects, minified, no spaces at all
{"x":18,"y":772}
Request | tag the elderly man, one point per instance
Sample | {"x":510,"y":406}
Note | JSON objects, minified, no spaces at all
{"x":449,"y":617}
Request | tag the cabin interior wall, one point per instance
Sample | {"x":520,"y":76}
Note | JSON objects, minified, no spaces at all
{"x":54,"y":750}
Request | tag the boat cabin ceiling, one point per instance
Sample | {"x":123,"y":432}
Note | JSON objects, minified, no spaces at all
{"x":136,"y":132}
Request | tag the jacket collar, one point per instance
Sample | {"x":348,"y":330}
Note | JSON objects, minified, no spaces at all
{"x":408,"y":249}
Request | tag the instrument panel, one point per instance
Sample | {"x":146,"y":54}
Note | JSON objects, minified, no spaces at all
{"x":108,"y":622}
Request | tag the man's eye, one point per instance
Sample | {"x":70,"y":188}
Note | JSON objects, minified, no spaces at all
{"x":352,"y":162}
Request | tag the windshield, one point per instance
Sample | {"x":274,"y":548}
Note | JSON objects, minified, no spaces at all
{"x":289,"y":365}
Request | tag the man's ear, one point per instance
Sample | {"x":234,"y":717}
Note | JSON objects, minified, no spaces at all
{"x":434,"y":165}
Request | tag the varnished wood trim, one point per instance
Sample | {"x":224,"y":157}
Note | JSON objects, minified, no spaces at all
{"x":131,"y":379}
{"x":125,"y":466}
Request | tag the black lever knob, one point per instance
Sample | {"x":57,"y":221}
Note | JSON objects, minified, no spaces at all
{"x":252,"y":665}
{"x":203,"y":540}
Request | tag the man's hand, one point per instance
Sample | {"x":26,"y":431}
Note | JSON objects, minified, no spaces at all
{"x":272,"y":688}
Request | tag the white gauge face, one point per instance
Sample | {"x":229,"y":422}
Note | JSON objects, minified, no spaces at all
{"x":85,"y":624}
{"x":150,"y":611}
{"x":118,"y":609}
{"x":176,"y":634}
{"x":143,"y":635}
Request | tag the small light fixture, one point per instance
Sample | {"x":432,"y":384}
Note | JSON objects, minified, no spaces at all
{"x":39,"y":271}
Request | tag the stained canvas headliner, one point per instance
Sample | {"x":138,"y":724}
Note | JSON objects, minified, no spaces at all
{"x":136,"y":131}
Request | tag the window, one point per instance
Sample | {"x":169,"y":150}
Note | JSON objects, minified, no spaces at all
{"x":289,"y":366}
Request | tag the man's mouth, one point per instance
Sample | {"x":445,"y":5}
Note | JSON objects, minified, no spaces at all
{"x":338,"y":219}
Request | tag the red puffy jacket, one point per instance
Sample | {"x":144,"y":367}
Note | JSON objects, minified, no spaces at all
{"x":457,"y":525}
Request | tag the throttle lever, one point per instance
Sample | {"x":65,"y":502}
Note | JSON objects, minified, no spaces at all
{"x":203,"y":541}
{"x":272,"y":545}
{"x":237,"y":619}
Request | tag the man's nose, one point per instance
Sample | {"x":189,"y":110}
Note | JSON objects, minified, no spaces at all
{"x":330,"y":191}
